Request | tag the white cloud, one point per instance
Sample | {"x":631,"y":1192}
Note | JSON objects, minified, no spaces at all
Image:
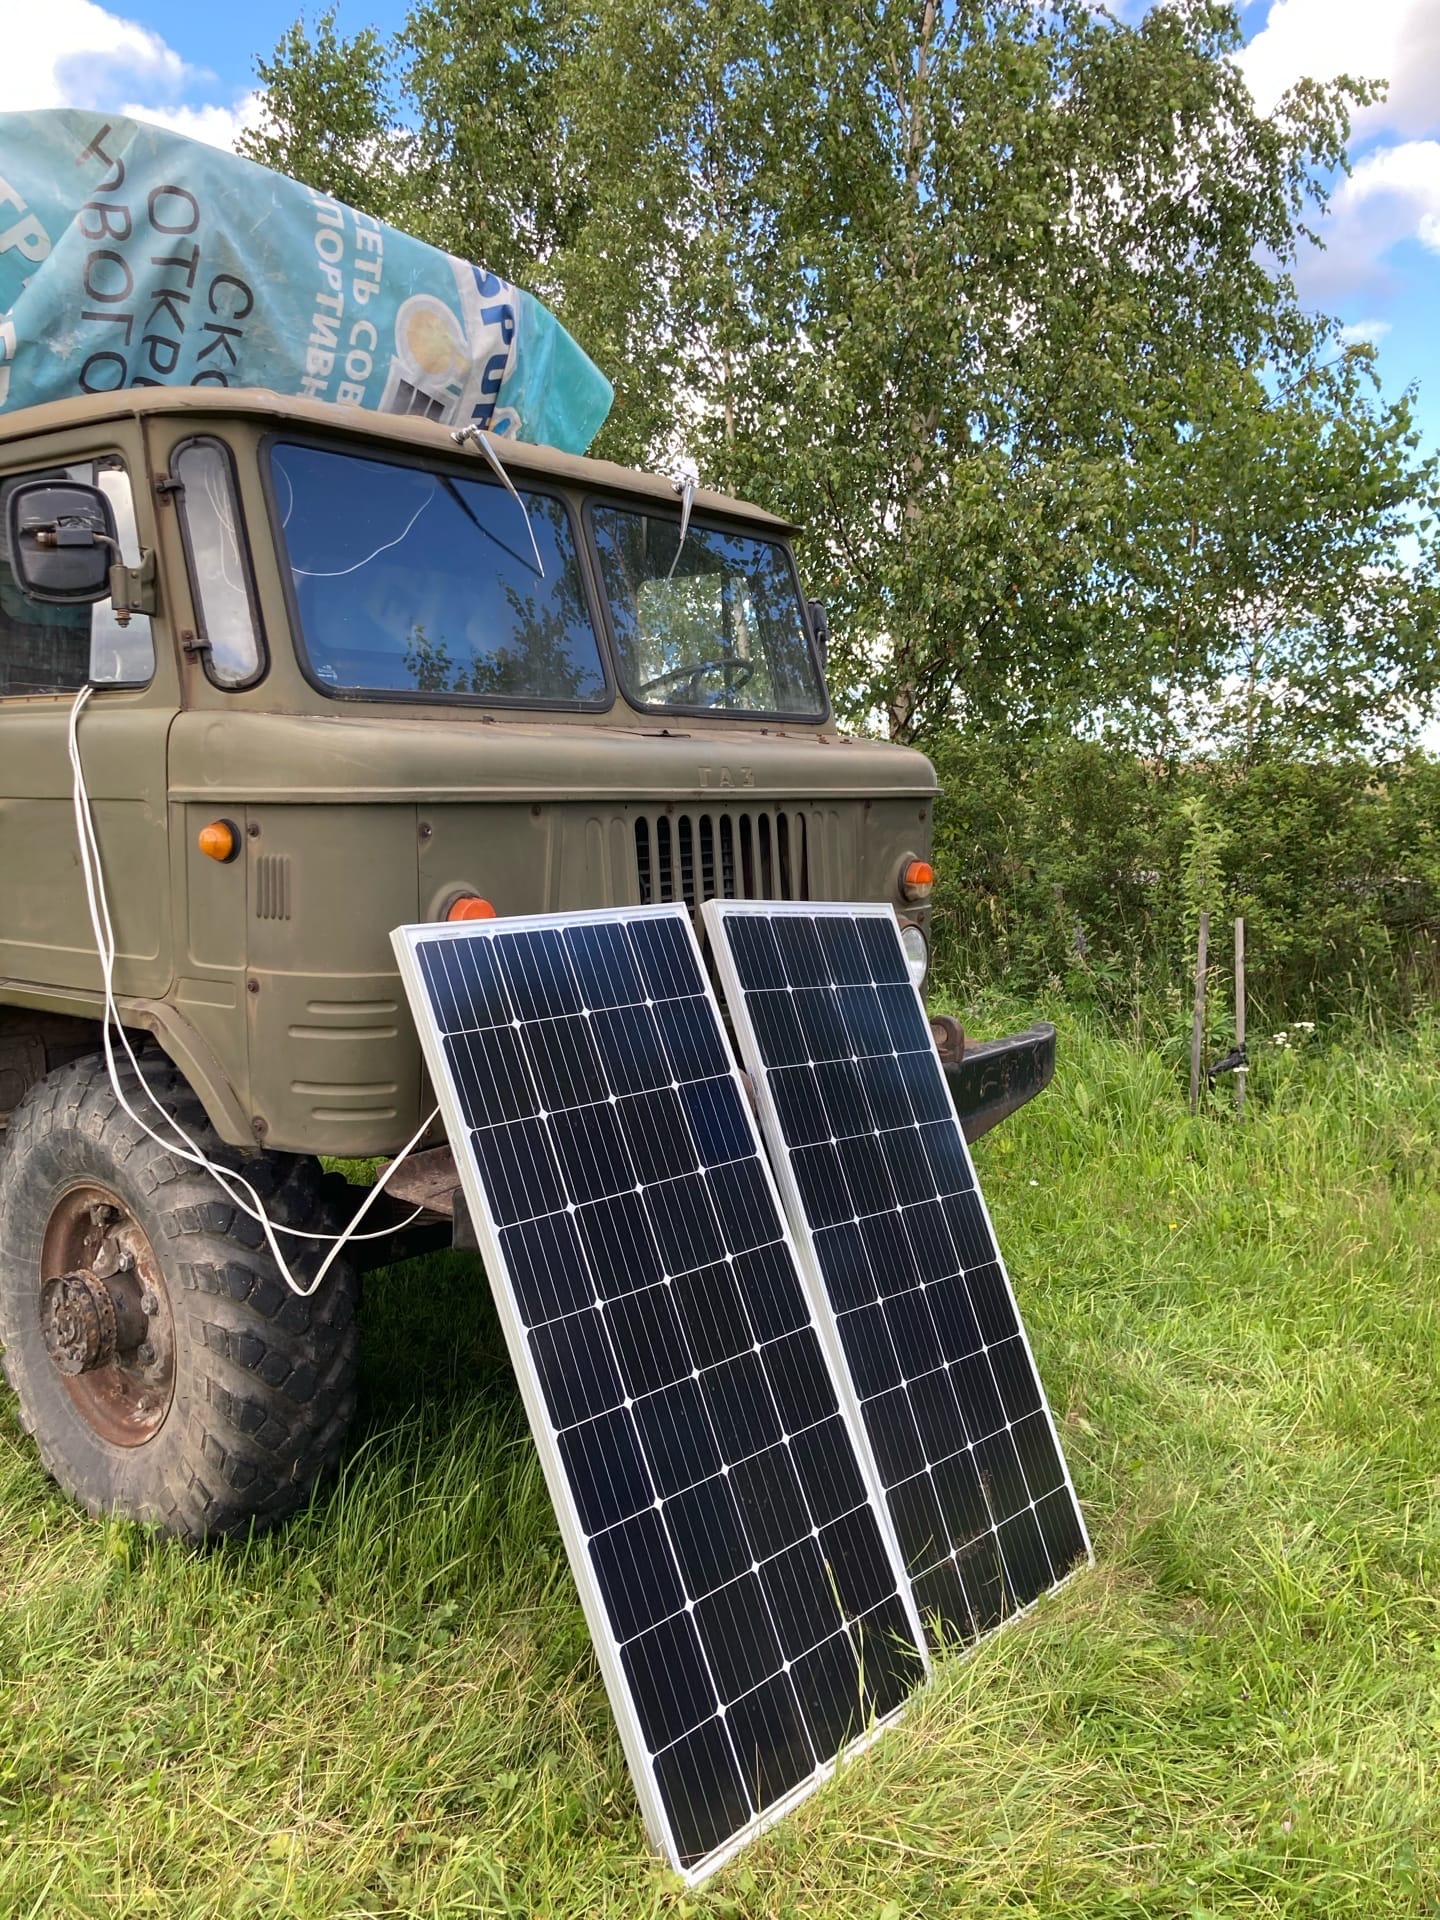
{"x":216,"y":126}
{"x":1392,"y":40}
{"x":1365,"y":333}
{"x":1402,"y":182}
{"x":73,"y":53}
{"x":1392,"y":196}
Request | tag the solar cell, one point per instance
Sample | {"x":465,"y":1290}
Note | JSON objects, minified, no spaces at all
{"x":741,"y":1586}
{"x":886,"y":1209}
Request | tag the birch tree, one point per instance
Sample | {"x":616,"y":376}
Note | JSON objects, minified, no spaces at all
{"x":994,"y":296}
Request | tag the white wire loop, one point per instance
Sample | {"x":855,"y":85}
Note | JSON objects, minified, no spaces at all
{"x":233,"y":1184}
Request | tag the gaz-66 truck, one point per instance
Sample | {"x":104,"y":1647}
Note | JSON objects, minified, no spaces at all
{"x":349,"y":671}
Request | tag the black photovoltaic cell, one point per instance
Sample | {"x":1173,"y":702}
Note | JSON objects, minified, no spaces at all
{"x":756,"y":1613}
{"x":965,"y":1448}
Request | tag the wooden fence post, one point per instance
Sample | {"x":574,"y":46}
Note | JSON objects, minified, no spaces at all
{"x":1197,"y":1029}
{"x":1242,"y":1069}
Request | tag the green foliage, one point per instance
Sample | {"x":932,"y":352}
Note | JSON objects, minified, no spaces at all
{"x":1071,"y":450}
{"x":331,"y":117}
{"x":1081,"y":866}
{"x":992,"y":295}
{"x":393,"y":1708}
{"x":1202,"y":871}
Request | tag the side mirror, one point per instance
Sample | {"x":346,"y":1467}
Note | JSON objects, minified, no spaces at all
{"x":820,"y":627}
{"x":63,"y":542}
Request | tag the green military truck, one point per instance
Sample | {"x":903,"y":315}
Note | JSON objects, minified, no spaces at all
{"x":348,"y":673}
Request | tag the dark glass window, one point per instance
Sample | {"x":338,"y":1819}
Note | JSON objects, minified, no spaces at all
{"x":409,"y":581}
{"x":714,"y":622}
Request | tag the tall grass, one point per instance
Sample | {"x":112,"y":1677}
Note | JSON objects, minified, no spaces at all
{"x":392,"y":1707}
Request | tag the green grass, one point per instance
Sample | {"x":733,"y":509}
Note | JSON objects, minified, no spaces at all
{"x":392,"y":1708}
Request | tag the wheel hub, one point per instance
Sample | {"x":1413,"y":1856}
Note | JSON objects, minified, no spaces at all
{"x":105,"y":1316}
{"x":77,"y":1316}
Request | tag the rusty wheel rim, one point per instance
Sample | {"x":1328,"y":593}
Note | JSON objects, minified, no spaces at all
{"x":105,"y":1316}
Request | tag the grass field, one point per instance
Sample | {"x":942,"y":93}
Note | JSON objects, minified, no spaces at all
{"x":392,"y":1708}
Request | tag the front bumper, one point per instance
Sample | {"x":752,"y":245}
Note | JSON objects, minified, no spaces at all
{"x":989,"y":1079}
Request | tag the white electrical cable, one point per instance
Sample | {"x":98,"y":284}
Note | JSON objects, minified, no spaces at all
{"x":232,"y":1183}
{"x":313,"y":573}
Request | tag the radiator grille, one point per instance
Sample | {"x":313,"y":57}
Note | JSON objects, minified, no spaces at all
{"x":755,"y":855}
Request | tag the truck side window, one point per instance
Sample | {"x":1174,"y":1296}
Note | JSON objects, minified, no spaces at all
{"x":46,"y":649}
{"x":219,"y":572}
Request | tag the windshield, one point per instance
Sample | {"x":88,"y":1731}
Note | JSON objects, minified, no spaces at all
{"x":422,"y":583}
{"x":715,"y":623}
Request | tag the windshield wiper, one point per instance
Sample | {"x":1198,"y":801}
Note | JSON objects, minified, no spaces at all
{"x":685,"y":486}
{"x":487,"y":533}
{"x":476,"y":436}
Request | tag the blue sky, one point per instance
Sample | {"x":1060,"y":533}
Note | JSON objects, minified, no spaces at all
{"x":193,"y":66}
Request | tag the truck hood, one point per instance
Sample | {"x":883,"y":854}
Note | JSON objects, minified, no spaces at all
{"x":347,"y":760}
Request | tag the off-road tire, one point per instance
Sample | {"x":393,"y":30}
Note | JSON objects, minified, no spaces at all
{"x":263,"y":1380}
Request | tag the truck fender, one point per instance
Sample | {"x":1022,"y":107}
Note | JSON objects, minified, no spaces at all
{"x":183,"y":1045}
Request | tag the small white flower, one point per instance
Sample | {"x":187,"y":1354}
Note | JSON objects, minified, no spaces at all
{"x":1304,"y":1026}
{"x":1280,"y":1040}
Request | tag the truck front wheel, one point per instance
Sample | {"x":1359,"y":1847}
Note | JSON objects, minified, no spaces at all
{"x":162,"y":1364}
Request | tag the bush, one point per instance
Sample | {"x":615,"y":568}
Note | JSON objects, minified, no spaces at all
{"x":1076,"y":866}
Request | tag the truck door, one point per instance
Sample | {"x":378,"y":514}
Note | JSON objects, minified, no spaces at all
{"x":46,"y":654}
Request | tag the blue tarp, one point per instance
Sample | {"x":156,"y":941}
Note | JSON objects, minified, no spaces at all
{"x":130,"y":256}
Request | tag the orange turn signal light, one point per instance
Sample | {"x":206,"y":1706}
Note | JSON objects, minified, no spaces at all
{"x":917,"y":877}
{"x":218,"y":841}
{"x":469,"y":906}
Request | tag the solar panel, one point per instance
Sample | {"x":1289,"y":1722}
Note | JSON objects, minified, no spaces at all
{"x":741,"y":1585}
{"x":886,"y":1209}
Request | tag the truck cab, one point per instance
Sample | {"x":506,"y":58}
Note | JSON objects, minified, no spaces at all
{"x":401,"y":687}
{"x":354,"y":671}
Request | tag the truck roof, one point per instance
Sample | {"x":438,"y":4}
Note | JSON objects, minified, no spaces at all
{"x":405,"y":430}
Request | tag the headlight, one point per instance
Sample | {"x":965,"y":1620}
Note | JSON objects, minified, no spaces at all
{"x":917,"y":951}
